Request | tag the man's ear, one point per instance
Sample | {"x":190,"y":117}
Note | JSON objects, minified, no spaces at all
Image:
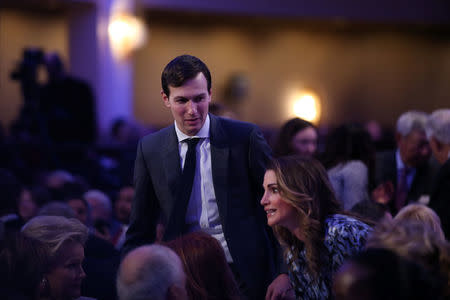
{"x":165,"y":99}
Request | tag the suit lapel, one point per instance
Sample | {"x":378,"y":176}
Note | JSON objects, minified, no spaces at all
{"x":219,"y":164}
{"x":171,"y":165}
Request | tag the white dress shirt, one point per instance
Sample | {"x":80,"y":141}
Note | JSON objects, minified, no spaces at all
{"x":202,"y":210}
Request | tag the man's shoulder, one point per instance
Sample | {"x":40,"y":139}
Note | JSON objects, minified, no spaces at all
{"x":232,"y":125}
{"x":159,"y":135}
{"x":155,"y":141}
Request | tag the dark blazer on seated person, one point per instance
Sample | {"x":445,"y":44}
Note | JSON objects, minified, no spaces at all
{"x":386,"y":170}
{"x":440,"y":197}
{"x":238,"y":158}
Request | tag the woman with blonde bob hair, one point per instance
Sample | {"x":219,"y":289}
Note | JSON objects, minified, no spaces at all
{"x":303,"y":211}
{"x":423,"y":214}
{"x":64,"y":240}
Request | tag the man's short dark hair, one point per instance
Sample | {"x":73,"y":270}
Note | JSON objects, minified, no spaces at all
{"x":181,"y":69}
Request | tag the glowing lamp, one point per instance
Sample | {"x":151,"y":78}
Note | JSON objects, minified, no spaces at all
{"x":306,"y":105}
{"x":126,"y":34}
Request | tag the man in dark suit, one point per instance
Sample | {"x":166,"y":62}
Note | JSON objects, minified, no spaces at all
{"x":438,"y":131}
{"x":408,"y":168}
{"x":223,"y":199}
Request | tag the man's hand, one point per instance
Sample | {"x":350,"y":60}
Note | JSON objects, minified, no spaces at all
{"x":383,"y":193}
{"x":280,"y":288}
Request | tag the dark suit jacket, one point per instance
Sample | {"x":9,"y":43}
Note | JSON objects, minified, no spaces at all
{"x":440,"y":197}
{"x":386,"y":170}
{"x":238,"y":157}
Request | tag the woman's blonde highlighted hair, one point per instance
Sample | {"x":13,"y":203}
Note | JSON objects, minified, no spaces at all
{"x":54,"y":231}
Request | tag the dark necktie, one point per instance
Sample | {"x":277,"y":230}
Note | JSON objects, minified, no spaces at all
{"x":402,"y":189}
{"x":177,"y":219}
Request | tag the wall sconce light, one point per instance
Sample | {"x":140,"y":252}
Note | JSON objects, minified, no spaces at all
{"x":306,"y":105}
{"x":126,"y":34}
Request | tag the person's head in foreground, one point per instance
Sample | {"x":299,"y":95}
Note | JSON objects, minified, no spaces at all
{"x":207,"y":271}
{"x":380,"y":274}
{"x":416,"y":241}
{"x":151,"y":272}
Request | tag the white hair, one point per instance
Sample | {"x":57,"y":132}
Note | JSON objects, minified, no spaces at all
{"x":411,"y":120}
{"x":438,"y":126}
{"x":100,"y":196}
{"x":160,"y":269}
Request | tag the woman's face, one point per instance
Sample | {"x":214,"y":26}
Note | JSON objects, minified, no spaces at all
{"x":66,"y":276}
{"x":278,"y":211}
{"x":304,"y":142}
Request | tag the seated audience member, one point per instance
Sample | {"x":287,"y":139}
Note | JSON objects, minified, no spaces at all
{"x":296,"y":137}
{"x":207,"y":272}
{"x":27,"y":206}
{"x":22,"y":264}
{"x":306,"y":217}
{"x":350,"y":161}
{"x":423,"y":214}
{"x":81,"y":208}
{"x":151,"y":272}
{"x":64,"y":240}
{"x":101,"y":213}
{"x":438,"y":131}
{"x":101,"y":207}
{"x":417,"y":242}
{"x":122,"y":206}
{"x":122,"y":212}
{"x":408,"y":168}
{"x":101,"y":259}
{"x":55,"y":182}
{"x":380,"y":274}
{"x":123,"y":132}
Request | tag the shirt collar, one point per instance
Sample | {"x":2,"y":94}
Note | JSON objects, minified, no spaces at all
{"x":401,"y":165}
{"x":202,"y":133}
{"x":399,"y":161}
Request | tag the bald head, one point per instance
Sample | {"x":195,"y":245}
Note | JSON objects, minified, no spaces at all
{"x":151,"y":272}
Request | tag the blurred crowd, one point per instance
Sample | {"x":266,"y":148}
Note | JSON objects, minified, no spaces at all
{"x":361,"y":215}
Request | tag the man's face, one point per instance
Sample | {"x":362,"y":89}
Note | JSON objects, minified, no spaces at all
{"x":122,"y":206}
{"x":414,"y":148}
{"x":189,"y":104}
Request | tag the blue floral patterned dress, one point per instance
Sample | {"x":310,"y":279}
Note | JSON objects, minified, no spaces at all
{"x":344,"y":237}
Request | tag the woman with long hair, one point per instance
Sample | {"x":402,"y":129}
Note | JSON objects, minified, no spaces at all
{"x":306,"y":218}
{"x":296,"y":137}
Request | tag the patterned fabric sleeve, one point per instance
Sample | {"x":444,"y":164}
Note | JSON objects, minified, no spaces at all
{"x":344,"y":237}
